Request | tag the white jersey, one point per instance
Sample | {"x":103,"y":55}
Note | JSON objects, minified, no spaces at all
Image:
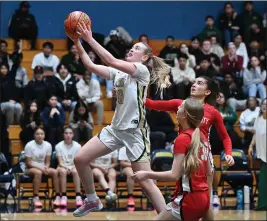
{"x":68,"y":152}
{"x":106,"y":160}
{"x":131,"y":95}
{"x":38,"y":152}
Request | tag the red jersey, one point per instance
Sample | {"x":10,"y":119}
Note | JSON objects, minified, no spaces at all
{"x":211,"y":117}
{"x":197,"y":182}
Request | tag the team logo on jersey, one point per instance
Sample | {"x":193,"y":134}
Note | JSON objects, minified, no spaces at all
{"x":134,"y":121}
{"x":120,"y":82}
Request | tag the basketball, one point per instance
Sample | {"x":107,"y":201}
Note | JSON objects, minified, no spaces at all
{"x":72,"y":20}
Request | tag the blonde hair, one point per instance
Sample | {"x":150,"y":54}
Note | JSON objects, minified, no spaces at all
{"x":195,"y":112}
{"x":159,"y":70}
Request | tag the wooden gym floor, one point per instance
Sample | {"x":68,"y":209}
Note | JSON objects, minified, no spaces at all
{"x":136,"y":215}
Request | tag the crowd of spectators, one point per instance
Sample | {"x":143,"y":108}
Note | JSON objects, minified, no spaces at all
{"x":233,"y":50}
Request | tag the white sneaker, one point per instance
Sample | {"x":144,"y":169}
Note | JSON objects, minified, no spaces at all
{"x":215,"y":201}
{"x":87,"y":207}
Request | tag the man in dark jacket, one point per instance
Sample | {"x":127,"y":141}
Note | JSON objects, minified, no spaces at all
{"x":251,"y":21}
{"x":10,"y":95}
{"x":116,"y":46}
{"x":64,"y":87}
{"x":38,"y":89}
{"x":169,"y":52}
{"x":205,"y":68}
{"x":23,"y":25}
{"x":74,"y":63}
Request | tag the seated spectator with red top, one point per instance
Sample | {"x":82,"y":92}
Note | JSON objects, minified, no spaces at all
{"x":232,"y":63}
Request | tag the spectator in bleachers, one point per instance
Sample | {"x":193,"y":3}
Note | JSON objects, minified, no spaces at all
{"x":30,"y":120}
{"x":254,"y":78}
{"x":37,"y":157}
{"x":126,"y":170}
{"x":183,"y":77}
{"x":66,"y":151}
{"x":65,"y":87}
{"x":109,"y":83}
{"x":74,"y":63}
{"x":209,"y":30}
{"x":247,"y":119}
{"x":21,"y":78}
{"x":195,"y":48}
{"x":232,"y":63}
{"x":234,"y":93}
{"x":104,"y":167}
{"x":169,"y":52}
{"x":259,"y":139}
{"x":228,"y":23}
{"x":23,"y":25}
{"x":205,"y":68}
{"x":229,"y":118}
{"x":214,"y":59}
{"x":116,"y":46}
{"x":46,"y":59}
{"x":53,"y":118}
{"x":241,"y":50}
{"x":10,"y":59}
{"x":10,"y":95}
{"x":38,"y":89}
{"x":161,"y":126}
{"x":254,"y":50}
{"x":216,"y":47}
{"x":250,"y":21}
{"x":89,"y":91}
{"x":191,"y":61}
{"x":81,"y":121}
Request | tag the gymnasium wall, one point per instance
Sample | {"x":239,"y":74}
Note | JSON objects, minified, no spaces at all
{"x":157,"y":19}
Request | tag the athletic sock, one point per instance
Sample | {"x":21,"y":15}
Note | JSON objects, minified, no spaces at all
{"x":92,"y":197}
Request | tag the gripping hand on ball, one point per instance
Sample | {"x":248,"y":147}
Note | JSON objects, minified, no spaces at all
{"x":84,"y":31}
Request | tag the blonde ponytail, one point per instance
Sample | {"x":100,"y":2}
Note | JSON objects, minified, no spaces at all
{"x":191,"y":160}
{"x":160,"y":74}
{"x":159,"y":70}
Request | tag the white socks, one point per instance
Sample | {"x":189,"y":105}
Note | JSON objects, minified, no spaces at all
{"x":92,"y":197}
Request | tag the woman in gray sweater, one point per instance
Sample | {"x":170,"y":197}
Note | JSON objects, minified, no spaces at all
{"x":253,"y":79}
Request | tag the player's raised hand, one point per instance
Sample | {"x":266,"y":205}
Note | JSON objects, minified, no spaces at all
{"x":84,"y":31}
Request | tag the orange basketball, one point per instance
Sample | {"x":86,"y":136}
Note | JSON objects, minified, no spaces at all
{"x":73,"y":20}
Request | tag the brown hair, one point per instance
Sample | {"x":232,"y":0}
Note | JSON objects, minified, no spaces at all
{"x":195,"y":112}
{"x":159,"y":70}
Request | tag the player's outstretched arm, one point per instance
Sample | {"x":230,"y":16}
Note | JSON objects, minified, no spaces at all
{"x":100,"y":70}
{"x":172,"y":175}
{"x":124,"y":66}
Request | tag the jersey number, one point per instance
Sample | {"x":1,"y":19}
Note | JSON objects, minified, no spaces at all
{"x":120,"y":96}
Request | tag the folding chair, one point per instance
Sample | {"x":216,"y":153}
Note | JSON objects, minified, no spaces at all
{"x":24,"y":187}
{"x":6,"y":179}
{"x":236,"y":176}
